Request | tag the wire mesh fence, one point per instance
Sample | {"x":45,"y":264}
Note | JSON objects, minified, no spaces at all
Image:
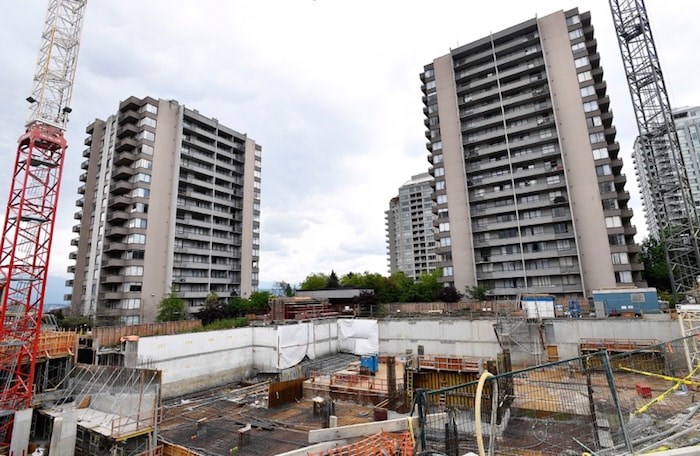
{"x":603,"y":403}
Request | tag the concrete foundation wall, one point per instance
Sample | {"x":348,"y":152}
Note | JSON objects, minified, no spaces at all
{"x":196,"y":361}
{"x":477,"y":337}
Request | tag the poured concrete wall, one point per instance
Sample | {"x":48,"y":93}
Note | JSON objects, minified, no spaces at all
{"x":197,"y":361}
{"x":477,"y":337}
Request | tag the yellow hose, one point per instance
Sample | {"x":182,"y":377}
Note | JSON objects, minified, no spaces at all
{"x":477,"y":411}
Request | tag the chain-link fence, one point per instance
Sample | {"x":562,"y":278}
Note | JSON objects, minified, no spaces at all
{"x":608,"y":402}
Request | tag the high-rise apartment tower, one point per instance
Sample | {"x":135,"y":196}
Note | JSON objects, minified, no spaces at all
{"x":528,"y":177}
{"x":687,"y":120}
{"x":409,"y":228}
{"x":170,"y":202}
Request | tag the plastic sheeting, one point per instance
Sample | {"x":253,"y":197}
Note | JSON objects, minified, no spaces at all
{"x":294,"y":342}
{"x":359,"y":337}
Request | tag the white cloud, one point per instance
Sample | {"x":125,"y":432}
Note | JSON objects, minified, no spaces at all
{"x":329,"y":88}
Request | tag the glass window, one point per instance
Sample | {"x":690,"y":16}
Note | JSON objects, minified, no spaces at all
{"x":587,"y":91}
{"x":603,"y":170}
{"x":147,"y":149}
{"x":445,"y":226}
{"x":597,"y":137}
{"x":142,"y":163}
{"x":585,"y":76}
{"x":445,"y":242}
{"x":613,"y":222}
{"x":430,"y":85}
{"x":573,"y":20}
{"x":439,"y":172}
{"x":620,"y":258}
{"x":133,"y":271}
{"x":149,"y":108}
{"x":437,"y":145}
{"x":600,"y":153}
{"x":437,"y":158}
{"x":440,"y":185}
{"x":140,"y":193}
{"x":442,"y":199}
{"x":447,"y":271}
{"x":594,"y":121}
{"x":624,"y":277}
{"x":136,"y":238}
{"x":581,"y":62}
{"x":578,"y":47}
{"x":590,"y":106}
{"x":137,"y":223}
{"x":578,"y":33}
{"x":147,"y":122}
{"x":140,"y":177}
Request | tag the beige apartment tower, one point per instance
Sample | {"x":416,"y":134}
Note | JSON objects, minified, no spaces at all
{"x":529,"y":190}
{"x":169,"y":202}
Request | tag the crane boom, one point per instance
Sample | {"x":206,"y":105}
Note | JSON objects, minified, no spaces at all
{"x":31,"y":207}
{"x":660,"y":156}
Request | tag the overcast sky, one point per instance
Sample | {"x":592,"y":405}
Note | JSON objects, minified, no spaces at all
{"x":329,"y":88}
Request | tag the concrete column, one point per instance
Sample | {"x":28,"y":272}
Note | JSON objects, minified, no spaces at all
{"x":21,"y":427}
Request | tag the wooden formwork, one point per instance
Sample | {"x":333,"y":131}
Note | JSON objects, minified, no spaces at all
{"x":54,"y":344}
{"x":170,"y":449}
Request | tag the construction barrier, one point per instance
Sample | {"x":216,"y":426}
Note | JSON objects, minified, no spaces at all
{"x":637,"y":398}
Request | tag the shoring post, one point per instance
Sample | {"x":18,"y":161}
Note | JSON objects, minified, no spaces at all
{"x":613,"y":392}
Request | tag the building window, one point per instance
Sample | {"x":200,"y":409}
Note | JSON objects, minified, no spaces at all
{"x":578,"y":47}
{"x":620,"y":258}
{"x":603,"y":170}
{"x":616,"y":239}
{"x":145,"y":134}
{"x":600,"y":153}
{"x":553,"y":180}
{"x":430,"y":85}
{"x":590,"y":106}
{"x":587,"y":91}
{"x":136,"y":238}
{"x":610,"y":204}
{"x":140,"y":193}
{"x":137,"y":223}
{"x":561,"y":228}
{"x":585,"y":76}
{"x":442,"y":199}
{"x":623,"y":277}
{"x":578,"y":33}
{"x":149,"y":108}
{"x":437,"y":145}
{"x":439,"y":172}
{"x":136,"y":271}
{"x":445,"y":242}
{"x":564,"y":245}
{"x":573,"y":20}
{"x":147,"y":122}
{"x":440,"y":185}
{"x":447,"y":271}
{"x":437,"y":158}
{"x":544,"y":281}
{"x":613,"y":222}
{"x":594,"y":121}
{"x":581,"y":62}
{"x":606,"y":187}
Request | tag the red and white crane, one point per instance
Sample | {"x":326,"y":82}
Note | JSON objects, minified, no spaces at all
{"x":31,"y":207}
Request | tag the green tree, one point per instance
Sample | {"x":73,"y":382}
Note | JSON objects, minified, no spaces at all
{"x":333,"y":281}
{"x":449,"y":294}
{"x":237,"y":306}
{"x":259,"y":301}
{"x":477,"y":292}
{"x":288,"y":290}
{"x":400,"y":288}
{"x":655,"y":266}
{"x":316,"y":281}
{"x":76,"y":322}
{"x":172,"y":308}
{"x":428,"y":286}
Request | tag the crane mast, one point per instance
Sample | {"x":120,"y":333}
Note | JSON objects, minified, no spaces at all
{"x":660,"y":156}
{"x":31,"y":206}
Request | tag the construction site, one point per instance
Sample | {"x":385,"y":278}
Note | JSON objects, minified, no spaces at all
{"x":315,"y":378}
{"x":343,"y":385}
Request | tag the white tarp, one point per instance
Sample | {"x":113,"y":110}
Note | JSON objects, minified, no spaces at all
{"x":294,"y":342}
{"x":359,"y":337}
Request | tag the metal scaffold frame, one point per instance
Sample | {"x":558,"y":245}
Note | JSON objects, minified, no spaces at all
{"x":660,"y":154}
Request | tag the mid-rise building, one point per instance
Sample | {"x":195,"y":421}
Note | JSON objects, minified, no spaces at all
{"x":529,"y":190}
{"x":409,"y":228}
{"x":169,"y":202}
{"x":650,"y":171}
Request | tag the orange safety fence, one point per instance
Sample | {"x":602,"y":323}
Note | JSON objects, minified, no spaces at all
{"x":380,"y":444}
